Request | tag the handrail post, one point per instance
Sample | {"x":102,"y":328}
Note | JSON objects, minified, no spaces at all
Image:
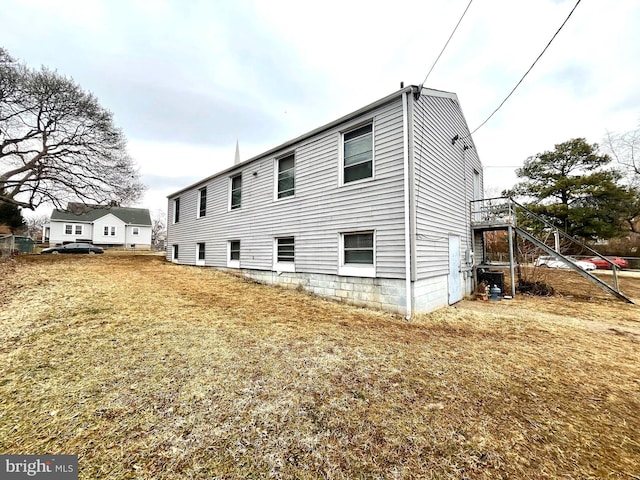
{"x":614,"y":267}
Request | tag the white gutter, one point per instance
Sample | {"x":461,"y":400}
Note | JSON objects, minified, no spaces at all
{"x":407,"y":215}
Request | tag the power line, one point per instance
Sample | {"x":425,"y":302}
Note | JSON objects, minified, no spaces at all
{"x":530,"y":68}
{"x":445,"y":45}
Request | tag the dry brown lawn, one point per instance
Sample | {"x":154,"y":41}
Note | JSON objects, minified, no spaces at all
{"x":149,"y":370}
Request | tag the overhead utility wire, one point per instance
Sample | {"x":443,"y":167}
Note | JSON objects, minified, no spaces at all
{"x":530,"y":68}
{"x":445,"y":45}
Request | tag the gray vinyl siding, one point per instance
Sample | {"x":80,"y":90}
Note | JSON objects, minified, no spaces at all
{"x":315,"y":215}
{"x":443,"y":182}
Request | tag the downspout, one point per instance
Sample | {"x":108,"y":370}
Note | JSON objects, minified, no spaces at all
{"x":407,"y":215}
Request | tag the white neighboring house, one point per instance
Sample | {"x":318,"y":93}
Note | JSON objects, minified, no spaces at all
{"x":371,"y":209}
{"x":105,"y":226}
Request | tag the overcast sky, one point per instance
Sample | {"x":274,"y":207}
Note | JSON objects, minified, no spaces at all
{"x":186,"y":79}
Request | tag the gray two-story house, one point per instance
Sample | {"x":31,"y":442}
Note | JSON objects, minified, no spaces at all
{"x":370,"y":209}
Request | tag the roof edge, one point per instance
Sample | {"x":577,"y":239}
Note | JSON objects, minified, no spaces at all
{"x":409,"y":89}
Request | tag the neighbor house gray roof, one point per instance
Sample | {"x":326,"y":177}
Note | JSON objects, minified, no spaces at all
{"x":78,"y":212}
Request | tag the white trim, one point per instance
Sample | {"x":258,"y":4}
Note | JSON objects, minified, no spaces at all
{"x":239,"y":174}
{"x":283,"y":266}
{"x":199,"y":201}
{"x":175,"y":247}
{"x":233,"y":263}
{"x":276,"y":174}
{"x":353,"y":269}
{"x":135,"y":231}
{"x":199,"y":262}
{"x":407,"y":216}
{"x":341,"y":134}
{"x":176,"y":210}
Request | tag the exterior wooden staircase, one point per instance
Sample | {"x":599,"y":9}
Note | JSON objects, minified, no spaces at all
{"x":502,"y":213}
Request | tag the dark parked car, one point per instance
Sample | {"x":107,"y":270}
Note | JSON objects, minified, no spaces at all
{"x":74,"y":248}
{"x":600,"y":263}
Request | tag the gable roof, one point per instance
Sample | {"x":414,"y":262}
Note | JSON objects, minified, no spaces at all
{"x":389,"y":98}
{"x":78,"y":212}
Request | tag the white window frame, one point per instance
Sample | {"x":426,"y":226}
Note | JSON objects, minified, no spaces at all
{"x":113,"y":230}
{"x":135,"y":231}
{"x":175,"y":252}
{"x":75,"y":229}
{"x":200,"y":261}
{"x":283,"y":266}
{"x":373,"y":153}
{"x":105,"y":231}
{"x":276,"y":175}
{"x":355,"y":269}
{"x":65,"y":228}
{"x":199,"y":202}
{"x":176,"y":210}
{"x":231,"y":208}
{"x":233,"y":263}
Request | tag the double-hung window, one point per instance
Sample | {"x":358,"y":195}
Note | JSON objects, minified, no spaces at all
{"x":78,"y":229}
{"x":135,"y":230}
{"x":68,"y":229}
{"x":357,"y":154}
{"x":357,"y":254}
{"x":286,"y":181}
{"x":174,"y":253}
{"x":284,"y":254}
{"x":109,"y":230}
{"x":235,"y":197}
{"x":233,"y":255}
{"x":176,"y":210}
{"x":202,"y":202}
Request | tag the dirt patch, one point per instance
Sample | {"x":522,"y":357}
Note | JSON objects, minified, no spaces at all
{"x":147,"y":369}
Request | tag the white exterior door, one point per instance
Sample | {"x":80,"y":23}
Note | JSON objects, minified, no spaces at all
{"x":455,"y":292}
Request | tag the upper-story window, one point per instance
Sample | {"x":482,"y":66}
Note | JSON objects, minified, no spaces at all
{"x":286,"y":182}
{"x":235,"y":200}
{"x":202,"y":202}
{"x":357,"y":153}
{"x":176,"y":210}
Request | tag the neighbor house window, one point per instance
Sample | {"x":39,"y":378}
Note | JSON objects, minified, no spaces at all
{"x":357,"y":154}
{"x":357,"y":254}
{"x":78,"y":229}
{"x":286,"y":183}
{"x":105,"y":232}
{"x":284,"y":254}
{"x":200,"y":254}
{"x":135,"y":231}
{"x":113,"y":231}
{"x":202,"y":202}
{"x":176,"y":210}
{"x":68,"y":229}
{"x":236,"y":192}
{"x":174,"y":253}
{"x":234,"y":254}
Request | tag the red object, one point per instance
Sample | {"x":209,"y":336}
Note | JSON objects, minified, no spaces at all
{"x":600,"y":263}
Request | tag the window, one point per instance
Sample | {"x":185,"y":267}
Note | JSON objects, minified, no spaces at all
{"x":236,"y":192}
{"x":286,"y":182}
{"x":174,"y":253}
{"x":358,"y":154}
{"x":284,"y":254}
{"x":68,"y":229}
{"x":234,"y":254}
{"x":202,"y":202}
{"x":357,"y":254}
{"x":176,"y":210}
{"x":105,"y":232}
{"x":113,"y":231}
{"x":200,"y":254}
{"x":135,"y":231}
{"x":78,"y":229}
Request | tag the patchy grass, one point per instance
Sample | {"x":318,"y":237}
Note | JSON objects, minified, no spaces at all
{"x":150,"y":370}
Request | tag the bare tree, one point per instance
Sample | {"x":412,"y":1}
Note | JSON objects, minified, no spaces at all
{"x":57,"y":144}
{"x":35,"y":223}
{"x":625,"y":148}
{"x":158,"y":229}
